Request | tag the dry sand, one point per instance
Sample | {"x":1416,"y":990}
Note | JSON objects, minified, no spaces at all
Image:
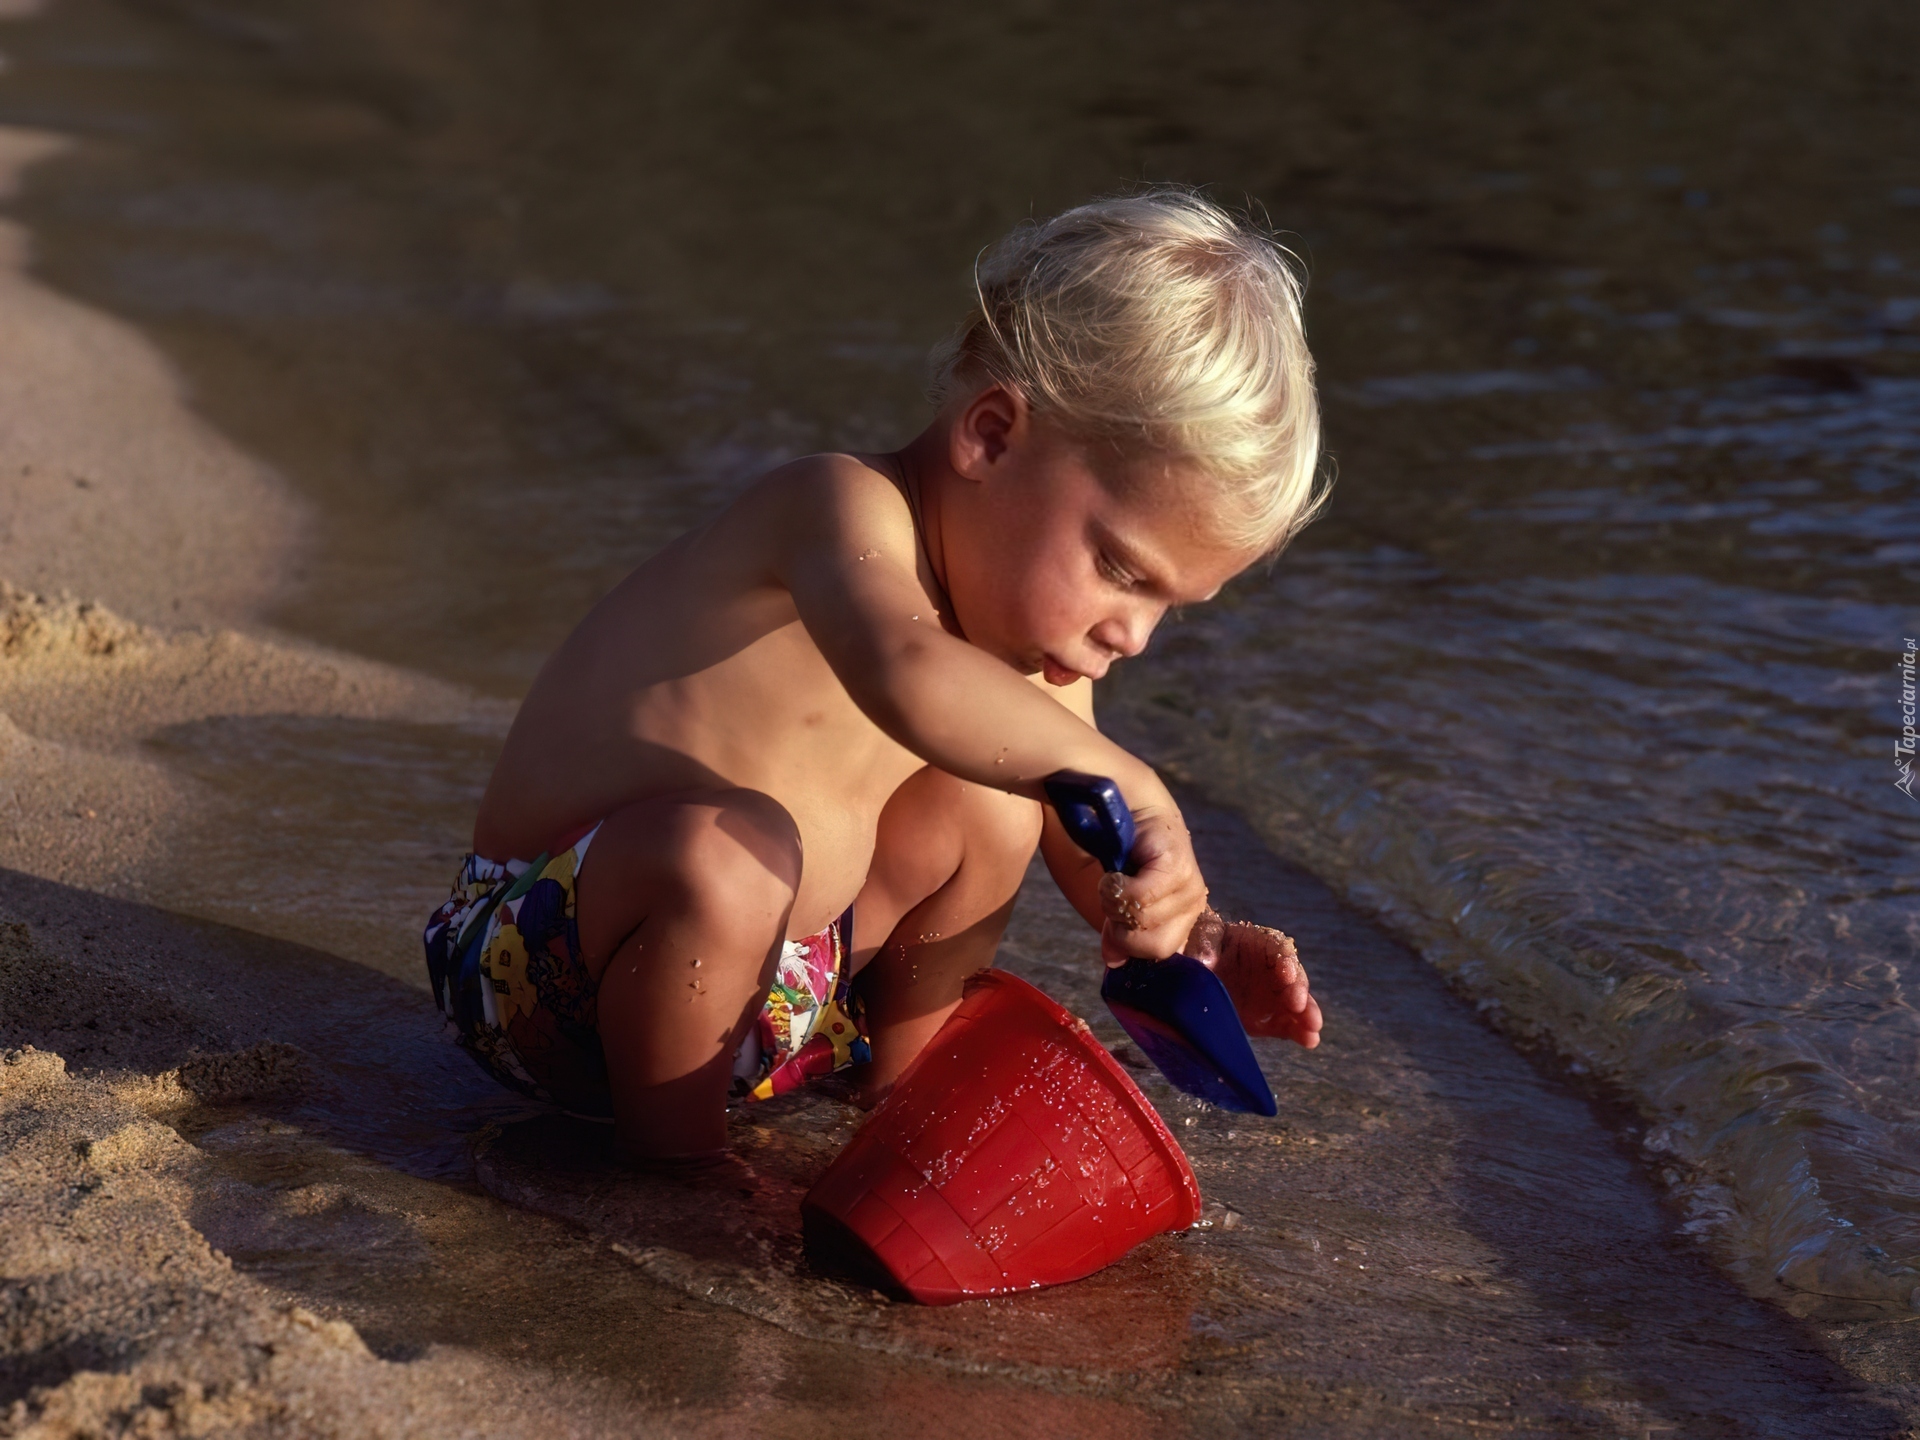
{"x":119,"y":1316}
{"x":121,"y":1319}
{"x":112,"y":482}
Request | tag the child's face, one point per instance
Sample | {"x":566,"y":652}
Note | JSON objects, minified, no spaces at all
{"x":1059,"y":573}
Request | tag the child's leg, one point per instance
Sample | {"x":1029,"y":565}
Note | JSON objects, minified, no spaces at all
{"x":682,"y":907}
{"x":947,"y":864}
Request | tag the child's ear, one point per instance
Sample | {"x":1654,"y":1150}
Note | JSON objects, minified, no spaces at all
{"x":987,"y":428}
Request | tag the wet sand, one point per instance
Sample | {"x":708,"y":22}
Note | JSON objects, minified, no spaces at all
{"x":239,"y":1174}
{"x":1462,"y":1248}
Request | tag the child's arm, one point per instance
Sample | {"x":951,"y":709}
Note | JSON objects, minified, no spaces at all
{"x":847,"y":552}
{"x":1259,"y":966}
{"x":1077,"y":873}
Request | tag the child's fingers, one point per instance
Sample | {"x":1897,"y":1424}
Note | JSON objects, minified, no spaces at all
{"x":1162,"y":852}
{"x":1302,"y":1025}
{"x":1119,"y":945}
{"x":1269,"y":986}
{"x":1307,"y":1027}
{"x":1152,"y":913}
{"x":1279,"y":958}
{"x":1119,"y":901}
{"x":1138,"y":900}
{"x":1207,"y":938}
{"x":1163,"y":886}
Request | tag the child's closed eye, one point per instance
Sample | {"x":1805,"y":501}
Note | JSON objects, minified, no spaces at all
{"x":1114,"y":572}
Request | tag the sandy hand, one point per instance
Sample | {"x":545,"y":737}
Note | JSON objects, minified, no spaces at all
{"x":1263,"y":974}
{"x":1149,"y":911}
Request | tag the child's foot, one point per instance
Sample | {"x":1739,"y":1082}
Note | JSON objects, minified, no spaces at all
{"x":1263,"y":974}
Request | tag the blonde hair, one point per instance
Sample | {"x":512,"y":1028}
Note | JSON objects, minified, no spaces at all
{"x":1157,"y":320}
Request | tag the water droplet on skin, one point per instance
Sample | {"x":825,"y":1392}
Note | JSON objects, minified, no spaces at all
{"x":696,"y":962}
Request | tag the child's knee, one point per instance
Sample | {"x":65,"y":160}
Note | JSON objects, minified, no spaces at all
{"x":737,"y":860}
{"x":1000,"y":831}
{"x":1013,"y":829}
{"x":727,"y":860}
{"x":983,"y":830}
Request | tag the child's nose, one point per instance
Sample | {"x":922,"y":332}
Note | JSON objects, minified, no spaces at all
{"x":1127,"y":634}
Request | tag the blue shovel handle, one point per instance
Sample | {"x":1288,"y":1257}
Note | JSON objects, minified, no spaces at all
{"x":1095,"y":814}
{"x":1176,"y":1009}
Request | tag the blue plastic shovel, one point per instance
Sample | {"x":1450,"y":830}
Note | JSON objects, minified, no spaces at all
{"x":1176,"y":1009}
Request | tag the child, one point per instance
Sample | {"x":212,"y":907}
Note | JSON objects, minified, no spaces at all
{"x":840,"y":697}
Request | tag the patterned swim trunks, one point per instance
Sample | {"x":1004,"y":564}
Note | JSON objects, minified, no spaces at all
{"x":503,"y":954}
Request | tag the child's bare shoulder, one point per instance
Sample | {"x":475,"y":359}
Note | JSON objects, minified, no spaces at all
{"x":833,"y":495}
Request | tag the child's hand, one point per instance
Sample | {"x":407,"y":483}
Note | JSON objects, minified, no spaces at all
{"x":1150,"y":912}
{"x":1262,"y":973}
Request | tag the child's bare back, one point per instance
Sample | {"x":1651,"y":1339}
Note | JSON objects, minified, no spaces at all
{"x":697,"y":674}
{"x":839,"y":698}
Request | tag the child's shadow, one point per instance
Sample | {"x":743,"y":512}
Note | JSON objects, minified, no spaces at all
{"x":738,"y":1211}
{"x":733,"y":1237}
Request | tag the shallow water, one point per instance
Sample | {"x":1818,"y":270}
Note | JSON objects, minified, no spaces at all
{"x":1588,"y":680}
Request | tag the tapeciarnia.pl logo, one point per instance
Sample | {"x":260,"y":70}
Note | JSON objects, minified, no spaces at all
{"x":1903,"y":747}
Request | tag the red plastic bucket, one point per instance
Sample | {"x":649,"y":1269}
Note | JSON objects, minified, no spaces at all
{"x":1013,"y":1153}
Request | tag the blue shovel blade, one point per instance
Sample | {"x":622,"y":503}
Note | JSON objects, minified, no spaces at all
{"x":1182,"y":1018}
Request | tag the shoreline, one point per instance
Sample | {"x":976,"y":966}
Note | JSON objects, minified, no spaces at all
{"x":139,"y":550}
{"x":1760,"y":1195}
{"x":116,"y":490}
{"x":226,"y":1131}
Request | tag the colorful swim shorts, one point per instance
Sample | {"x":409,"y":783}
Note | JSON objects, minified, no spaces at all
{"x":503,"y":954}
